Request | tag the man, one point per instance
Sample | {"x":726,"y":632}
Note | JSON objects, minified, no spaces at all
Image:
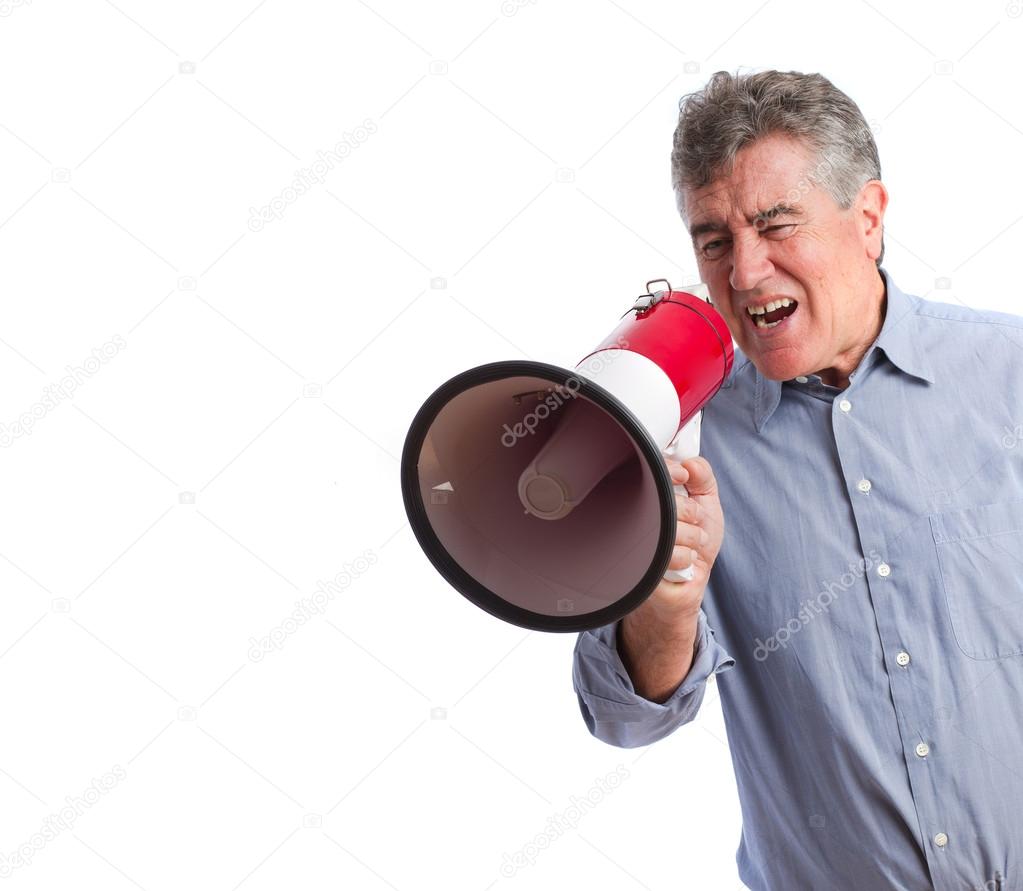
{"x":863,"y":612}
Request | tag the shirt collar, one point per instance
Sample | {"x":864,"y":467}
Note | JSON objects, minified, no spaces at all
{"x":898,"y":340}
{"x":900,"y":337}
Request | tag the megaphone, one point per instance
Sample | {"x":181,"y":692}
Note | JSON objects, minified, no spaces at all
{"x":540,"y":493}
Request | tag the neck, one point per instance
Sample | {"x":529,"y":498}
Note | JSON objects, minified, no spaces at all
{"x":837,"y":375}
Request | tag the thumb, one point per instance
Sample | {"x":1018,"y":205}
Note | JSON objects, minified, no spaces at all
{"x":701,"y":479}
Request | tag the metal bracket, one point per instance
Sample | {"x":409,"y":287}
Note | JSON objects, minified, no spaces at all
{"x":645,"y":301}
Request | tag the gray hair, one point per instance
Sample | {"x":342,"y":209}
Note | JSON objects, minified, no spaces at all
{"x":732,"y":111}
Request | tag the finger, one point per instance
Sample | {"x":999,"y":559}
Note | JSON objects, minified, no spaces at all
{"x":678,"y":473}
{"x":681,"y":557}
{"x":701,"y":479}
{"x":688,"y":509}
{"x":690,"y":535}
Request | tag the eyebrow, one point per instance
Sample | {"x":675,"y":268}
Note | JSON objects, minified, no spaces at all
{"x":780,"y":209}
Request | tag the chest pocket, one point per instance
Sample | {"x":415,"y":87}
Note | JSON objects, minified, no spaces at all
{"x":980,"y":556}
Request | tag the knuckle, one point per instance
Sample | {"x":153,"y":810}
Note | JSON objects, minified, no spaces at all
{"x":680,"y":558}
{"x":685,"y":526}
{"x":687,"y":533}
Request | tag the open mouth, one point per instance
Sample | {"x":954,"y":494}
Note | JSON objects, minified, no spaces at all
{"x":773,"y":314}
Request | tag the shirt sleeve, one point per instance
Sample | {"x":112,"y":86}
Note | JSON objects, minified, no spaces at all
{"x":611,"y":708}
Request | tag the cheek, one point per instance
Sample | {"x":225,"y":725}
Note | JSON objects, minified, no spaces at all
{"x":800,"y":253}
{"x":733,"y":321}
{"x":715,"y":277}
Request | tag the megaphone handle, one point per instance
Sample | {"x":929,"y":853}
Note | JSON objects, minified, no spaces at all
{"x":687,"y":574}
{"x":686,"y":444}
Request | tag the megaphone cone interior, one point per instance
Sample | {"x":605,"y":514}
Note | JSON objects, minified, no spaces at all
{"x":539,"y":496}
{"x":576,"y":456}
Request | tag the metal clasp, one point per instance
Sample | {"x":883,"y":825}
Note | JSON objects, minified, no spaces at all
{"x":645,"y":301}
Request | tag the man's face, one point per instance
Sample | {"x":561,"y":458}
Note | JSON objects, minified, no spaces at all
{"x":769,"y":230}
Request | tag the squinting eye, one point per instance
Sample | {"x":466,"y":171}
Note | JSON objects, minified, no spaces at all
{"x":712,"y":250}
{"x":783,"y":230}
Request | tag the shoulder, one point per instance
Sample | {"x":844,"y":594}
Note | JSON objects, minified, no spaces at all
{"x":962,"y":340}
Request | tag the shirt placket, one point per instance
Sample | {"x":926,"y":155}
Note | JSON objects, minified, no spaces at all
{"x":885,"y":582}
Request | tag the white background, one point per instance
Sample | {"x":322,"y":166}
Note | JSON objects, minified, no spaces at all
{"x":243,"y":444}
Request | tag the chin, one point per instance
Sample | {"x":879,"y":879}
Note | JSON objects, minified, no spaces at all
{"x":779,"y":369}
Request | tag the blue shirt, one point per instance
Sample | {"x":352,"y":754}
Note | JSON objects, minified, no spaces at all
{"x":865,"y":614}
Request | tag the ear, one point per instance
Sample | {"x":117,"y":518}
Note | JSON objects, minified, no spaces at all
{"x":871,"y":204}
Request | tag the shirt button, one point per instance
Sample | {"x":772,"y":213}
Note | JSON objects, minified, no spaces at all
{"x":802,"y":379}
{"x":902,"y":658}
{"x":922,"y":749}
{"x":884,"y":570}
{"x":864,"y":486}
{"x":845,"y":405}
{"x":941,"y":839}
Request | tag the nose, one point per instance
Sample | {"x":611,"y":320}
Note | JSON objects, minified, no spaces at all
{"x":750,"y":262}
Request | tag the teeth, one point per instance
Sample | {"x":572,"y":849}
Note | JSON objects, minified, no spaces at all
{"x":770,"y":307}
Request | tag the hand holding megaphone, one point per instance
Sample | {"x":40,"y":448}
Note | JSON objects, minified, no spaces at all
{"x":700,"y":529}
